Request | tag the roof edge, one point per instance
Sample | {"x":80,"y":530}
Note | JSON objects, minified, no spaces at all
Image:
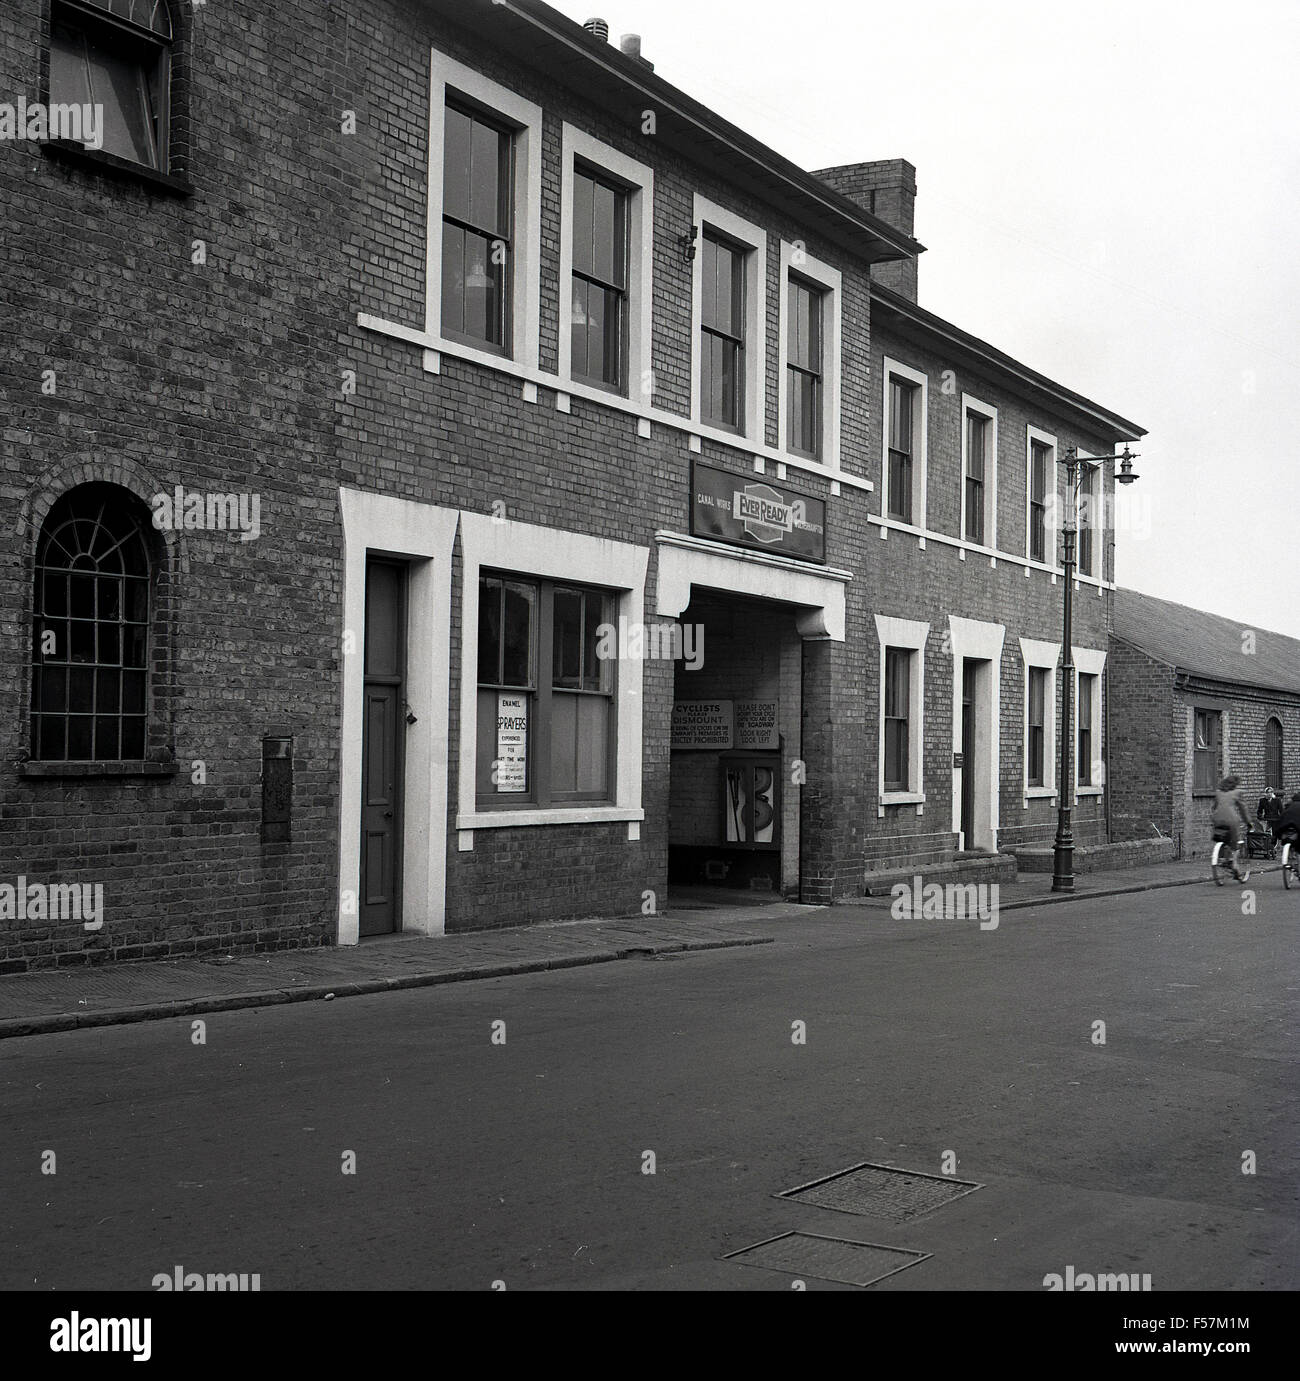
{"x":640,"y":76}
{"x":1005,"y":364}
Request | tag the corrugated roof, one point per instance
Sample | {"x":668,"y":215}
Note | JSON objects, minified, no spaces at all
{"x":1207,"y":645}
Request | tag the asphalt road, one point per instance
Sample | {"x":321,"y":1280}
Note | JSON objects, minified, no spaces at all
{"x":524,"y":1162}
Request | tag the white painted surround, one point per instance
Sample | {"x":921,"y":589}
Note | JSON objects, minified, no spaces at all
{"x":424,"y":535}
{"x":982,"y":641}
{"x":687,"y":562}
{"x":552,"y":553}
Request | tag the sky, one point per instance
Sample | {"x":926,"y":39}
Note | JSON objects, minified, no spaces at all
{"x":1109,"y":192}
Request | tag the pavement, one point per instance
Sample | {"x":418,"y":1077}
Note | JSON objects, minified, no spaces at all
{"x":50,"y":1000}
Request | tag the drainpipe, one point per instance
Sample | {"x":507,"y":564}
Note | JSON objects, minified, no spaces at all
{"x":1105,"y":683}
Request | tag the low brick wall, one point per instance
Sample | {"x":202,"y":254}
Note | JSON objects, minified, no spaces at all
{"x":1099,"y":858}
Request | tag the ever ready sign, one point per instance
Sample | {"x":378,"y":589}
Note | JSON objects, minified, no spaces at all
{"x":752,"y":513}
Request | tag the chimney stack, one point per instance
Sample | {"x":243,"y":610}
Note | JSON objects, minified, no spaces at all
{"x":631,"y":45}
{"x":598,"y":28}
{"x":887,"y":189}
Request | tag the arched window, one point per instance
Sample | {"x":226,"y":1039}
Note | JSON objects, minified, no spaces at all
{"x":90,"y":636}
{"x":115,"y":55}
{"x":1273,"y":753}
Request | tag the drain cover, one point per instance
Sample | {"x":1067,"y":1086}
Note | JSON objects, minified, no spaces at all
{"x":827,"y":1258}
{"x":882,"y":1192}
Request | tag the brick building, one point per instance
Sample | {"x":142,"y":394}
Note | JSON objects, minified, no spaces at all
{"x":1202,"y":696}
{"x":460,"y":480}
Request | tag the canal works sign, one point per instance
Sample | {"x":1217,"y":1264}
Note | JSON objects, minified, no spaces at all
{"x":755,"y":514}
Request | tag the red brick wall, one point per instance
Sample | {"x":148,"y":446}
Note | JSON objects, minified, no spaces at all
{"x":221,"y":377}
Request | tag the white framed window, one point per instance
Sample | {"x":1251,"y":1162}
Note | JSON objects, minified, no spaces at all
{"x":1091,"y":520}
{"x":483,"y":283}
{"x":729,"y":324}
{"x":585,"y":581}
{"x":1040,"y":685}
{"x":905,"y":409}
{"x":901,"y":730}
{"x":808,"y":356}
{"x":606,"y":268}
{"x":979,"y":469}
{"x":1089,"y":663}
{"x":1040,"y":497}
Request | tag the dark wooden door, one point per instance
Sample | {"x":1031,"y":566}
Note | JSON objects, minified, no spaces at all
{"x":383,"y":729}
{"x":968,"y":672}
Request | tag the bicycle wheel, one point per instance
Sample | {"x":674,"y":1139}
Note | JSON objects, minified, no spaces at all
{"x":1241,"y":862}
{"x":1288,"y":863}
{"x":1217,"y":869}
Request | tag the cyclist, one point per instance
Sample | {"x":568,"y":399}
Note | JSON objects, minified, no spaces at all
{"x":1229,"y":817}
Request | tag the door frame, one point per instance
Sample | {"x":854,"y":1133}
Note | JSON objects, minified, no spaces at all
{"x":423,"y":536}
{"x":982,"y":642}
{"x":396,"y":683}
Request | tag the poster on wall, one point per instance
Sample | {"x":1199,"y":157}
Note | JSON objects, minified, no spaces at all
{"x":756,"y":725}
{"x":512,"y":742}
{"x":702,"y":724}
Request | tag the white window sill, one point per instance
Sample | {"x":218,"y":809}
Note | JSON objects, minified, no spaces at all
{"x":1090,"y":791}
{"x":1039,"y":793}
{"x":902,"y":798}
{"x":546,"y":815}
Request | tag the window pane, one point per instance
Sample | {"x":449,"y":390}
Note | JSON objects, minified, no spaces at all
{"x":453,"y":278}
{"x":1037,"y":696}
{"x":80,"y":737}
{"x":975,"y":426}
{"x":596,"y":333}
{"x":800,"y":412}
{"x":604,"y":217}
{"x":583,"y":242}
{"x":709,"y":282}
{"x":517,"y":654}
{"x":612,"y":344}
{"x":726,"y":308}
{"x":488,"y":748}
{"x":487,"y":166}
{"x":489,"y":630}
{"x":120,"y":86}
{"x":580,"y":727}
{"x":52,"y":695}
{"x":133,"y":738}
{"x":69,"y":76}
{"x":974,"y":511}
{"x":456,"y":165}
{"x":479,"y":301}
{"x":566,"y":622}
{"x":900,"y":416}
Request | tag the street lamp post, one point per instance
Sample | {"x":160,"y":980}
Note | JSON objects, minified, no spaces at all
{"x":1063,"y":854}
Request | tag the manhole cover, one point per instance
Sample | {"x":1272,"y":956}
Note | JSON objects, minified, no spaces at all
{"x":882,"y":1192}
{"x":827,"y":1258}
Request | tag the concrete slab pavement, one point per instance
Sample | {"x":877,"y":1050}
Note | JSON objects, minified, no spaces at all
{"x":1035,"y":889}
{"x":74,"y":998}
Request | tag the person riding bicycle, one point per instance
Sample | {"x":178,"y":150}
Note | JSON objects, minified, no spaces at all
{"x":1229,"y":817}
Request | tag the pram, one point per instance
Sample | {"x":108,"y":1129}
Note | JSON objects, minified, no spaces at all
{"x":1260,"y":843}
{"x":1262,"y":840}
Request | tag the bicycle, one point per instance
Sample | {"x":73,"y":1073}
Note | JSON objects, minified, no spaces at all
{"x":1225,"y":861}
{"x":1290,"y":860}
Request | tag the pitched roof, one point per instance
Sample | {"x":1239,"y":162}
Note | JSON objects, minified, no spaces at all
{"x":1207,"y":645}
